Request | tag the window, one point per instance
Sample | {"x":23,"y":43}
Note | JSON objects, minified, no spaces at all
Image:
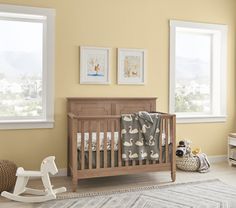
{"x":198,"y":71}
{"x":26,"y":67}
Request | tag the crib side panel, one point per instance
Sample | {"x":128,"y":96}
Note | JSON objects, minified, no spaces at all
{"x":99,"y":144}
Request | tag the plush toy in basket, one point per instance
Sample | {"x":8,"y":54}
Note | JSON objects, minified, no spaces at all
{"x":188,"y":160}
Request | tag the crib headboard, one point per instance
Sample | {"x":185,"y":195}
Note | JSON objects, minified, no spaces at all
{"x":109,"y":106}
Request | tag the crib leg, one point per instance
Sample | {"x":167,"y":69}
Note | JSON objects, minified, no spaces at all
{"x":68,"y":171}
{"x":74,"y":184}
{"x":173,"y":175}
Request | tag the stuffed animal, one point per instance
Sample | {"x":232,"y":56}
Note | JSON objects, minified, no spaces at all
{"x":183,"y":148}
{"x":196,"y":151}
{"x":188,"y":146}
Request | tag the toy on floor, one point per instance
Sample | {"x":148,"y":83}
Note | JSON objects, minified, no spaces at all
{"x":196,"y":151}
{"x":183,"y":148}
{"x":188,"y":160}
{"x":47,"y":166}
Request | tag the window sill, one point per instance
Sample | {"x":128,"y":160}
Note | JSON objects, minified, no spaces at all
{"x":27,"y":124}
{"x":200,"y":119}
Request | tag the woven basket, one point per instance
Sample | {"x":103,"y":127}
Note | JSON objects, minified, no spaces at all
{"x":188,"y":163}
{"x":7,"y":175}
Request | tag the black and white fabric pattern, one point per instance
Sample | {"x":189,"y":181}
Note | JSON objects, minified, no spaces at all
{"x":140,"y":136}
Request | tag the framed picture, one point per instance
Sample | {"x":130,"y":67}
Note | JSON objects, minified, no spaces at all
{"x":131,"y":66}
{"x":94,"y":65}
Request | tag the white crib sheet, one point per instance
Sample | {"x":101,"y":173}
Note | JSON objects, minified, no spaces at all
{"x":94,"y":141}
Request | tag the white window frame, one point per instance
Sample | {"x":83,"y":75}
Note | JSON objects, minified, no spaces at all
{"x":220,"y":114}
{"x":47,"y":17}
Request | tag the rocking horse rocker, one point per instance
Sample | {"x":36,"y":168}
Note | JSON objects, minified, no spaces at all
{"x":47,"y":166}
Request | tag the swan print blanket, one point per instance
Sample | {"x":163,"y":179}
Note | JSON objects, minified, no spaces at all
{"x":140,"y":136}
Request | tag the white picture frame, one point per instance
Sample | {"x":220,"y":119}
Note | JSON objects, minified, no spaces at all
{"x":131,"y":66}
{"x":94,"y":65}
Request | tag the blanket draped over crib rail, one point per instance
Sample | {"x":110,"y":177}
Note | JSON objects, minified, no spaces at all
{"x":140,"y":136}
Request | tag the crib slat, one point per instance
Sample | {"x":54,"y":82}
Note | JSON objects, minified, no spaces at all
{"x":90,"y":144}
{"x":166,"y":139}
{"x":98,"y":145}
{"x":82,"y":145}
{"x":105,"y":144}
{"x":112,"y":144}
{"x":119,"y":144}
{"x":140,"y":162}
{"x":160,"y":141}
{"x":133,"y":162}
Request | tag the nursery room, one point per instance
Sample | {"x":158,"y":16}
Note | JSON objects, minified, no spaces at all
{"x":117,"y":103}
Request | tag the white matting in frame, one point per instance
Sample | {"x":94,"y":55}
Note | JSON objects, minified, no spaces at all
{"x":94,"y":65}
{"x":131,"y":66}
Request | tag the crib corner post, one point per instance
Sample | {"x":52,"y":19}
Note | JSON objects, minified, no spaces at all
{"x":74,"y":154}
{"x":173,"y":157}
{"x":173,"y":175}
{"x":74,"y":184}
{"x":68,"y":147}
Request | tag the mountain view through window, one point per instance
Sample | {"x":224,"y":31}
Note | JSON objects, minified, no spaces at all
{"x":21,"y":46}
{"x":193,"y":73}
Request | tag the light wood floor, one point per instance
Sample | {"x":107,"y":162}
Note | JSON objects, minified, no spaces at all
{"x":221,"y":171}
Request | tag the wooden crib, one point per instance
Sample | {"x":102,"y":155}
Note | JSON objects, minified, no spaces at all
{"x":94,"y":144}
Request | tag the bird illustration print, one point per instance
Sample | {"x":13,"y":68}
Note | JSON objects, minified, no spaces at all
{"x":151,"y":141}
{"x":132,"y":131}
{"x":128,"y":144}
{"x":154,"y":155}
{"x":127,"y":118}
{"x":144,"y":128}
{"x":123,"y":131}
{"x":139,"y":143}
{"x":133,"y":156}
{"x":143,"y":154}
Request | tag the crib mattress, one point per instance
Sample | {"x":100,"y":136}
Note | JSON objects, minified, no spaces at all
{"x":94,"y":141}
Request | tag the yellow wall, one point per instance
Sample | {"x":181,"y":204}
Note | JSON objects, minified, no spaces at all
{"x":120,"y":23}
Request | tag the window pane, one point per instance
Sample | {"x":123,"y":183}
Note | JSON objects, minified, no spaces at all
{"x":21,"y":45}
{"x":193,"y":72}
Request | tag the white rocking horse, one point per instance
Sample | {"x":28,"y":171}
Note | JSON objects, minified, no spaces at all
{"x":47,"y":166}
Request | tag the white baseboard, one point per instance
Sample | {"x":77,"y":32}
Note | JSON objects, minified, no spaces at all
{"x":217,"y":158}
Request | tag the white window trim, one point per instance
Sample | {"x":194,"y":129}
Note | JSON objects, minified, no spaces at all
{"x":180,"y":118}
{"x":200,"y":119}
{"x":37,"y":14}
